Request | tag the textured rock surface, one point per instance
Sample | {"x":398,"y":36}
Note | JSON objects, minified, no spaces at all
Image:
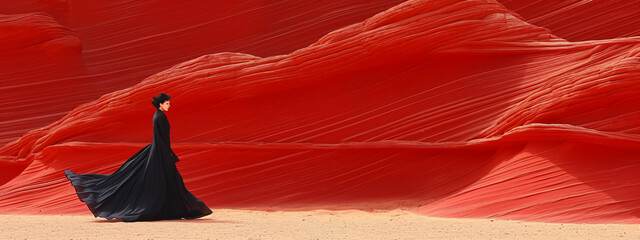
{"x":449,"y":108}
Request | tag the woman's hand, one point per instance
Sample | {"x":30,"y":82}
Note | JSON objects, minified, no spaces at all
{"x":173,"y":156}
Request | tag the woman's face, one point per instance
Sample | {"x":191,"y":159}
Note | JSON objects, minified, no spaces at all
{"x":165,"y":105}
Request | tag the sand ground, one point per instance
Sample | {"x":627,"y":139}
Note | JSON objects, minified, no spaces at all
{"x":316,"y":224}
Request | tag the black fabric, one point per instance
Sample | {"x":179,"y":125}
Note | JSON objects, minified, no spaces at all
{"x":146,"y":187}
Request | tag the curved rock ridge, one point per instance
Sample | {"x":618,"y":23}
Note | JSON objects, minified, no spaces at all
{"x":450,"y":108}
{"x":122,"y":43}
{"x":579,"y":20}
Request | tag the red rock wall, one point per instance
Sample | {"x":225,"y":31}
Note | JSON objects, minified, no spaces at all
{"x":450,"y":108}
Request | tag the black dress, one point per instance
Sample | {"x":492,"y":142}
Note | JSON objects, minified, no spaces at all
{"x":146,"y":187}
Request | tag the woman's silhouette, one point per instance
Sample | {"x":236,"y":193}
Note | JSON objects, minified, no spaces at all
{"x":147,"y":186}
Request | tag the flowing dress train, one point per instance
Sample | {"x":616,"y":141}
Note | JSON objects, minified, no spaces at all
{"x":146,"y":187}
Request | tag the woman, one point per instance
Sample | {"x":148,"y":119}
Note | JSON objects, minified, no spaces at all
{"x":147,"y":186}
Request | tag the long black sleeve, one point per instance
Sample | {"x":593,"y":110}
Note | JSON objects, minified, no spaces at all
{"x":161,"y":133}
